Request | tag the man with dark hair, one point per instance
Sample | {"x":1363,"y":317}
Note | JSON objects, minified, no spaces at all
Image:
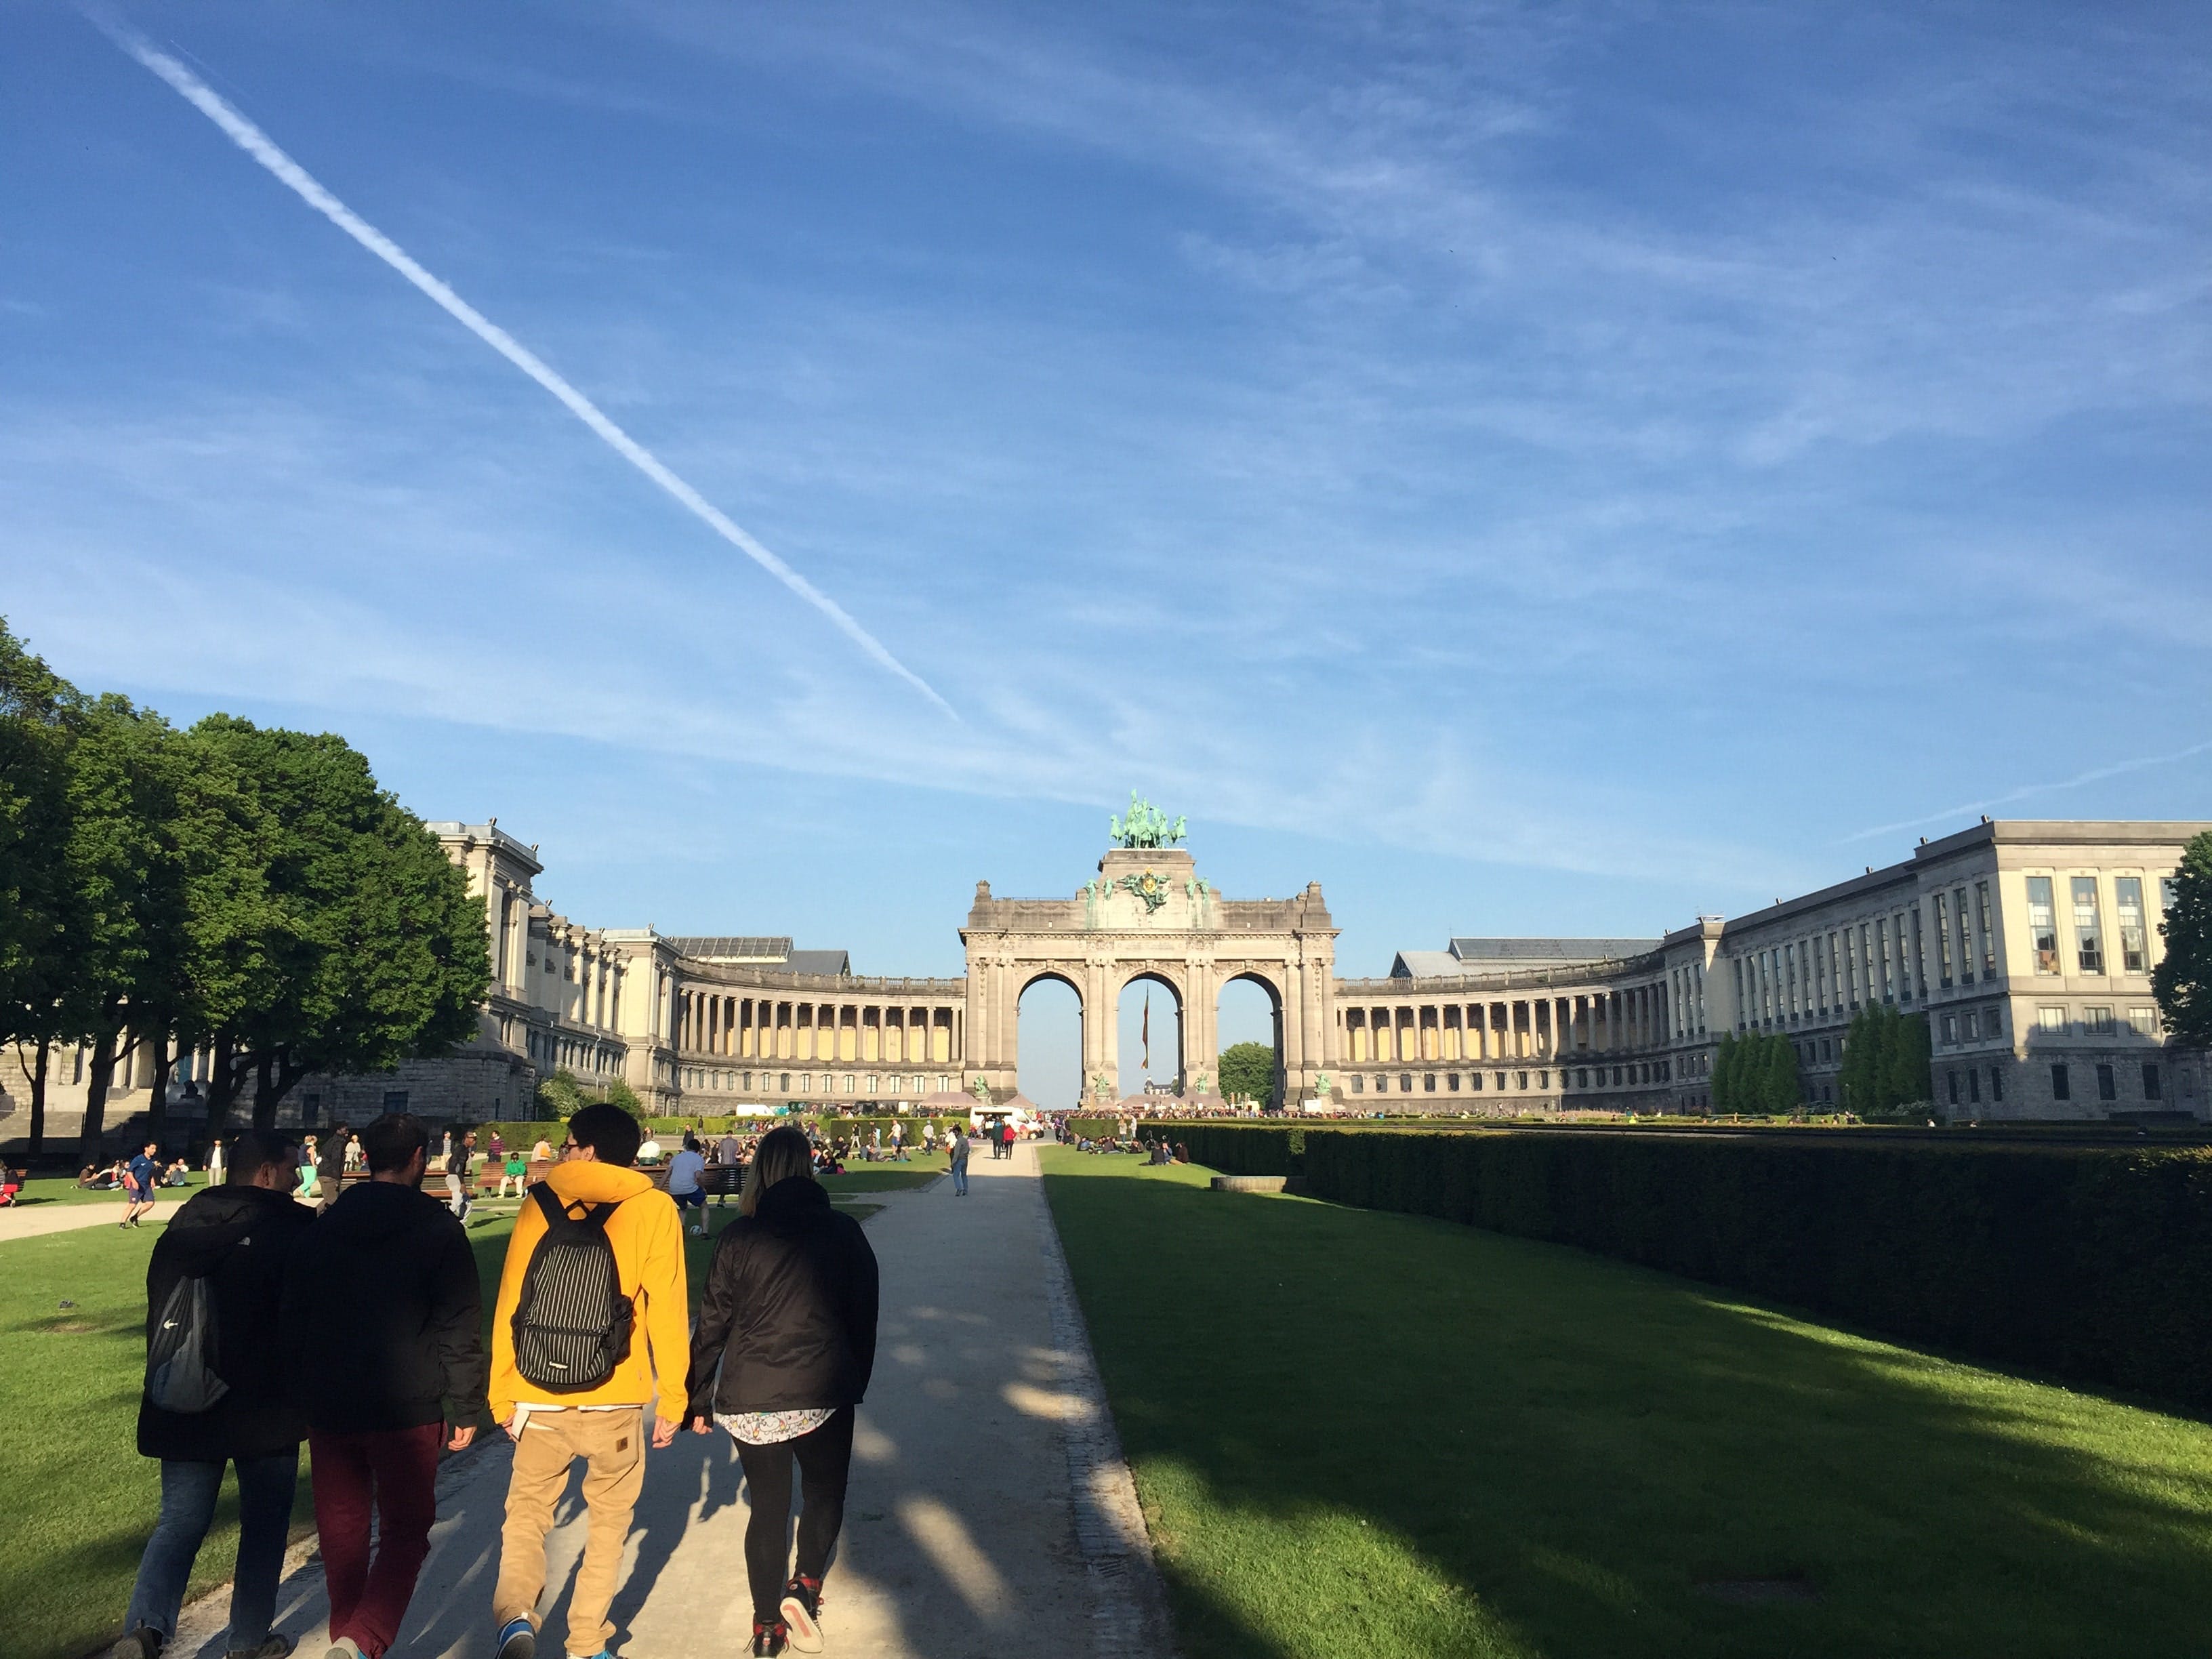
{"x":138,"y":1178}
{"x":593,"y":1204}
{"x":383,"y":1321}
{"x":237,"y":1239}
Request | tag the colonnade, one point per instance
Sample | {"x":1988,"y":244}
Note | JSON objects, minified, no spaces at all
{"x":1545,"y":1029}
{"x":799,"y":1027}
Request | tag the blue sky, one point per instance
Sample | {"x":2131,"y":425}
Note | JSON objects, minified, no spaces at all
{"x":1546,"y":468}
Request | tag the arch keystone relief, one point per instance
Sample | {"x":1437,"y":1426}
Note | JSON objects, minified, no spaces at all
{"x":1149,"y":914}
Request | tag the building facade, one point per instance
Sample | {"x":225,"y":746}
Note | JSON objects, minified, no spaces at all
{"x":2028,"y":946}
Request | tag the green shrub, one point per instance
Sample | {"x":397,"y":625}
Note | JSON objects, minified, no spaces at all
{"x":1238,"y":1148}
{"x":2091,"y":1263}
{"x":1094,"y":1128}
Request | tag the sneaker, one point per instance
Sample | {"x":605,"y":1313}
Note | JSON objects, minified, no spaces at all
{"x":272,"y":1646}
{"x":518,"y":1639}
{"x":767,"y":1638}
{"x":802,"y":1613}
{"x":144,"y":1643}
{"x":345,"y":1648}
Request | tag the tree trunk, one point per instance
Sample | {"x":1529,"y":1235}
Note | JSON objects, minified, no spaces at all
{"x":98,"y":1076}
{"x":157,"y":1108}
{"x":223,"y":1078}
{"x":37,"y":1081}
{"x":266,"y":1091}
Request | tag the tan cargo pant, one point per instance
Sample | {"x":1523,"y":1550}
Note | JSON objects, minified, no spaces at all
{"x":612,"y":1444}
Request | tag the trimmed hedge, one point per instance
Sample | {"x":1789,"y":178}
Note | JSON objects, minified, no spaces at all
{"x":2089,"y":1263}
{"x":1247,"y":1148}
{"x":1093,"y":1128}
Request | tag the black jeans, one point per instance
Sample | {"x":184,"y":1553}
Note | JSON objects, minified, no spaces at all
{"x":189,"y":1490}
{"x":824,"y":1456}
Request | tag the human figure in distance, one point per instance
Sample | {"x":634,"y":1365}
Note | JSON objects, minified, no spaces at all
{"x":729,"y":1155}
{"x":596,"y":1188}
{"x":955,"y":1148}
{"x":239,"y":1237}
{"x":384,"y":1325}
{"x":331,"y":1167}
{"x":686,"y":1171}
{"x":781,"y":1356}
{"x":140,"y":1176}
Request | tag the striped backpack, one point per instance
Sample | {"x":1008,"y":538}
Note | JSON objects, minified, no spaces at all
{"x":572,"y":1323}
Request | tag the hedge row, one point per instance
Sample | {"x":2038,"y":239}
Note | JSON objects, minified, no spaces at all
{"x":1238,"y":1148}
{"x":1093,"y":1128}
{"x":2091,"y":1263}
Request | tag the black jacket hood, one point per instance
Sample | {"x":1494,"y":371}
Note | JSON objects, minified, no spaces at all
{"x":213,"y":1219}
{"x":793,"y":1205}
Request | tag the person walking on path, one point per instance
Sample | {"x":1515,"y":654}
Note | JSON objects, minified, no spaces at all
{"x":785,"y":1345}
{"x":331,"y":1167}
{"x":236,"y":1240}
{"x":729,"y":1154}
{"x":460,"y":1160}
{"x":139,"y":1177}
{"x":383,"y":1324}
{"x":593,"y":1291}
{"x":955,"y":1147}
{"x":685,"y":1171}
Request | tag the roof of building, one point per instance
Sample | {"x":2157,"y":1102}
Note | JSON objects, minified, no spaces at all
{"x":734,"y":947}
{"x":1529,"y":951}
{"x":820,"y":962}
{"x":1424,"y":964}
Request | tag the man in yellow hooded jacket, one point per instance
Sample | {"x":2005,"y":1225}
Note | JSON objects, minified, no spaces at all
{"x":605,"y":1424}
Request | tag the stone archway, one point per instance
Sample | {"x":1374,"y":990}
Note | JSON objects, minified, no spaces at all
{"x":1179,"y":1070}
{"x":1149,"y":911}
{"x":1274,"y":993}
{"x":1032,"y":1069}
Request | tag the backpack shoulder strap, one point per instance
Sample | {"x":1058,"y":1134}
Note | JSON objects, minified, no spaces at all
{"x":557,"y":1219}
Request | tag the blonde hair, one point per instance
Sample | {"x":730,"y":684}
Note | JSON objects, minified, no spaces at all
{"x":782,"y":1154}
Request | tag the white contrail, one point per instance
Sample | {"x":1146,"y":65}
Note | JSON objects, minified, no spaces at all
{"x":2096,"y":775}
{"x":259,"y":145}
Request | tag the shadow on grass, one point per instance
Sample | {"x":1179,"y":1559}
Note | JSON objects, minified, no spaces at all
{"x":1461,"y":1442}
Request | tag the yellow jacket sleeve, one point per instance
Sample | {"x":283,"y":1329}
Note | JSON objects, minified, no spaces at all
{"x":667,"y":1313}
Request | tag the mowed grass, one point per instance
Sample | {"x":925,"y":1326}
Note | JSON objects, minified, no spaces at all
{"x":62,"y":1189}
{"x":1361,"y":1432}
{"x":76,"y":1500}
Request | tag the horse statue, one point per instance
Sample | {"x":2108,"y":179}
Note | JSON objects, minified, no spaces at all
{"x":1146,"y":826}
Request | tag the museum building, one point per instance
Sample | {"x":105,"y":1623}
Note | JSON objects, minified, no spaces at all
{"x":2028,"y":946}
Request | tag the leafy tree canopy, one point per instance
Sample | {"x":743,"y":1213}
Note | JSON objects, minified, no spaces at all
{"x":2183,"y":981}
{"x":1248,"y":1072}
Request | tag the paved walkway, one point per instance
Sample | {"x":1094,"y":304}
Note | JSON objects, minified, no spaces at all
{"x":989,"y":1515}
{"x":36,"y":1220}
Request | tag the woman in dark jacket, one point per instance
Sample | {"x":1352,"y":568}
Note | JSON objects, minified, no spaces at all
{"x":780,"y":1355}
{"x":238,"y":1237}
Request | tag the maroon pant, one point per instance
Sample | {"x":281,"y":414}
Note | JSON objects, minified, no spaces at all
{"x":394,"y":1471}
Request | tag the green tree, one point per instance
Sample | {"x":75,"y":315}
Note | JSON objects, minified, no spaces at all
{"x":619,"y":1093}
{"x":1781,"y":1090}
{"x":1726,"y":1065}
{"x":561,"y":1097}
{"x":1885,"y":1061}
{"x":2183,"y":981}
{"x":34,"y":702}
{"x":368,"y":948}
{"x":1246,"y":1071}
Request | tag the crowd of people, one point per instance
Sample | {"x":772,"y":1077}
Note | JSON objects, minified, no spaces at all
{"x":356,"y":1325}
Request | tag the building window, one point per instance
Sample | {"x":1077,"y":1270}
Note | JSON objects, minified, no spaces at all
{"x":1356,"y":1084}
{"x":2042,"y":924}
{"x":1996,"y":1085}
{"x":2088,"y":940}
{"x":310,"y":1108}
{"x":1581,"y":1077}
{"x":1952,"y":1079}
{"x":1972,"y":1030}
{"x":1993,"y":1021}
{"x":2127,"y":904}
{"x":1475,"y":1080}
{"x":2107,"y":1088}
{"x":2151,"y":1090}
{"x":1986,"y":922}
{"x":395,"y":1100}
{"x":1519,"y":1079}
{"x":748,"y":1083}
{"x":1942,"y":943}
{"x":1950,"y":1030}
{"x":1499,"y":1079}
{"x":1452,"y":1081}
{"x":2062,"y":1087}
{"x":1973,"y":1088}
{"x":2144,"y":1021}
{"x":2100,"y":1021}
{"x":1428,"y":1083}
{"x":785,"y":1086}
{"x":1616,"y":1077}
{"x":2051,"y":1019}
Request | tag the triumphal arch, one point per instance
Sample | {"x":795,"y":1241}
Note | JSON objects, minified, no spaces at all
{"x":1149,"y":914}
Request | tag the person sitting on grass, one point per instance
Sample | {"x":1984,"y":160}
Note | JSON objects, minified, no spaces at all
{"x":238,"y":1239}
{"x":11,"y":1182}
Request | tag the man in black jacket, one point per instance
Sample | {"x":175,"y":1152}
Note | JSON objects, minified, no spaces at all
{"x":239,"y":1238}
{"x":383,"y":1324}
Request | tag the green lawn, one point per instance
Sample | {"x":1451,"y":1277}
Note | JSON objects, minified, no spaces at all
{"x":77,"y":1501}
{"x":1355,"y":1432}
{"x":60,"y":1190}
